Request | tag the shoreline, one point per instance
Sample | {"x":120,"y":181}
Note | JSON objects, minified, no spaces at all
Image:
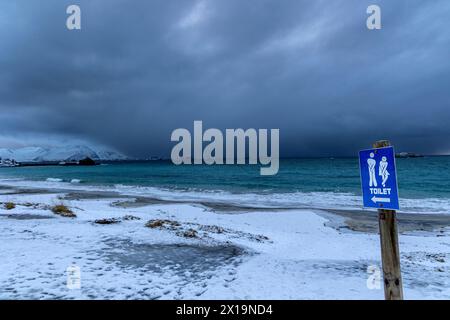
{"x":226,"y":199}
{"x":358,"y":220}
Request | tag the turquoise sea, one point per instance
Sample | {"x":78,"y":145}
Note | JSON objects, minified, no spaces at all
{"x":424,"y":183}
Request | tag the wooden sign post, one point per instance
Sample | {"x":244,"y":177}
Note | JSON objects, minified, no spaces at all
{"x":390,"y":256}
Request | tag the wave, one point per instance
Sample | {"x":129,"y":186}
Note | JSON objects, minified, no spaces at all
{"x":72,"y":181}
{"x":318,"y":200}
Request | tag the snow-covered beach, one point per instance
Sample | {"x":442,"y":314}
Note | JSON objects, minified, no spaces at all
{"x":156,"y":249}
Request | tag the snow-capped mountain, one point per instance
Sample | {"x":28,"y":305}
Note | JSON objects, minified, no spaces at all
{"x":65,"y":153}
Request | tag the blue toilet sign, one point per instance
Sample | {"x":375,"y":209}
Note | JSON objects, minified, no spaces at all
{"x":379,"y":178}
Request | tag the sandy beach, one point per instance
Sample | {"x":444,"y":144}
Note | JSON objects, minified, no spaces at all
{"x":145,"y":248}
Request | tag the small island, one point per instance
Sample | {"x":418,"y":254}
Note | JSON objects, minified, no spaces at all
{"x":408,"y":155}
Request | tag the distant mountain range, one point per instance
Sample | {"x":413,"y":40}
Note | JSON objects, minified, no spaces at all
{"x":65,"y":153}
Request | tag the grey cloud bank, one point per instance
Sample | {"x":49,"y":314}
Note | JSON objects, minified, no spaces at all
{"x":138,"y":70}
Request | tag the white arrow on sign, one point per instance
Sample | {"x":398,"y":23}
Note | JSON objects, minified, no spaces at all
{"x":375,"y":199}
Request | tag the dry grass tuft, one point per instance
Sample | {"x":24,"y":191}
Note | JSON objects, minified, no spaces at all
{"x":9,"y":205}
{"x":63,"y":211}
{"x":162,"y":223}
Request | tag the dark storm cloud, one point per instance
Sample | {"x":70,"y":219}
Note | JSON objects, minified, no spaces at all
{"x":138,"y":70}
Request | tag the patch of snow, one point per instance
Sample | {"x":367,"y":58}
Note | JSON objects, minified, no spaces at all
{"x":302,"y":259}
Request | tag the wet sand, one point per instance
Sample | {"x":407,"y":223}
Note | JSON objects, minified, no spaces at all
{"x":367,"y":221}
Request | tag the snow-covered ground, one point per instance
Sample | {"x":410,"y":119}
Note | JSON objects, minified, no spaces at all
{"x":255,"y":255}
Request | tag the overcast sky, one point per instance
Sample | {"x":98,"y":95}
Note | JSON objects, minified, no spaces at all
{"x":140,"y":69}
